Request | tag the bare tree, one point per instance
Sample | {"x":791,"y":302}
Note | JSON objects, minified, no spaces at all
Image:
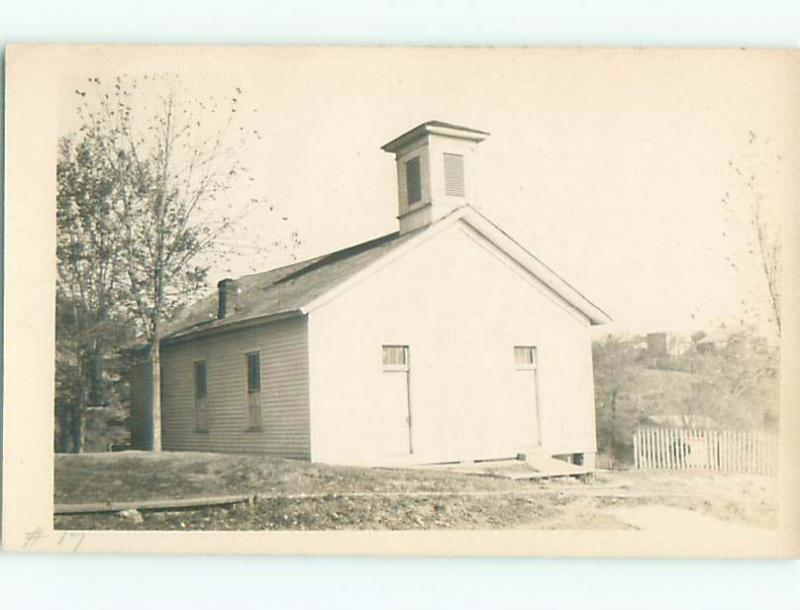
{"x":769,"y":246}
{"x":763,"y":240}
{"x":175,"y":161}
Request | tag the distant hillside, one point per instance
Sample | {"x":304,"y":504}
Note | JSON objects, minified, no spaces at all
{"x":732,"y":387}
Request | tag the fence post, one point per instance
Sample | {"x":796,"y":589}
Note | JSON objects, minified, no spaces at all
{"x":660,"y":449}
{"x":668,"y":443}
{"x":740,"y":451}
{"x":726,"y":450}
{"x":653,"y":454}
{"x":673,"y":448}
{"x":743,"y":443}
{"x":651,"y":440}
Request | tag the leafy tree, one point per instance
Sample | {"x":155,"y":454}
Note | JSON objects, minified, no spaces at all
{"x":174,"y":162}
{"x":616,"y":362}
{"x":89,"y":268}
{"x":734,"y":386}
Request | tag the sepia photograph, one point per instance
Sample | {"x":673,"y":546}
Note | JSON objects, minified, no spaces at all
{"x":418,"y":289}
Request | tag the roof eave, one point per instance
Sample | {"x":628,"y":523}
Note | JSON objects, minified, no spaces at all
{"x":555,"y":283}
{"x":462,"y":133}
{"x":540,"y":270}
{"x":203,"y":331}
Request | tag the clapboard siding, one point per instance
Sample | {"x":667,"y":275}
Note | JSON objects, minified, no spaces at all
{"x":284,"y":391}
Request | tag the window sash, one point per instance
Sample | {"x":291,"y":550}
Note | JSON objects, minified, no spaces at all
{"x":525,"y":356}
{"x":413,"y":180}
{"x":254,"y":410}
{"x":201,"y":396}
{"x":395,"y":356}
{"x":253,"y":367}
{"x":200,"y":380}
{"x":201,"y":414}
{"x":253,"y":372}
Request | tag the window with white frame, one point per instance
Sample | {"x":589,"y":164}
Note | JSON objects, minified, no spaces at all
{"x":525,"y":356}
{"x":253,"y":364}
{"x":395,"y":357}
{"x":200,"y":397}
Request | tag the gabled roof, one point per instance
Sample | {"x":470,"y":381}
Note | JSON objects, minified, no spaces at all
{"x":301,"y":287}
{"x":284,"y":290}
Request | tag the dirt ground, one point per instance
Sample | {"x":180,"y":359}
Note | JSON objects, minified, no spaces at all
{"x":298,"y":495}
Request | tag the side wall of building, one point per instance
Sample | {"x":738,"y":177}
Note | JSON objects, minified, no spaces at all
{"x":283,"y":346}
{"x":461,"y":306}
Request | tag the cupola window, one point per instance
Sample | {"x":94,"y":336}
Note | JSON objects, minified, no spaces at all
{"x":413,"y":181}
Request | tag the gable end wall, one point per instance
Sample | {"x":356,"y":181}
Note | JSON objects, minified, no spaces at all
{"x":461,"y":307}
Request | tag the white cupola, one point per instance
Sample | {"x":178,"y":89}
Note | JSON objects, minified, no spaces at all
{"x":433,"y":165}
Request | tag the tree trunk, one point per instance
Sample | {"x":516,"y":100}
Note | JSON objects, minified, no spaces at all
{"x":77,"y":428}
{"x":158,"y":285}
{"x":76,"y":409}
{"x":614,"y":427}
{"x":62,"y":441}
{"x":155,"y":394}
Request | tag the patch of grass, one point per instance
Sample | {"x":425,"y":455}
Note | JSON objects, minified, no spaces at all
{"x":130,"y":476}
{"x":344,"y":497}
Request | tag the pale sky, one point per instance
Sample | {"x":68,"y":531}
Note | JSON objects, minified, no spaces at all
{"x":609,"y":166}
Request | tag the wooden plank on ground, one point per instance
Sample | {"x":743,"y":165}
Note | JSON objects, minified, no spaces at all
{"x":174,"y":503}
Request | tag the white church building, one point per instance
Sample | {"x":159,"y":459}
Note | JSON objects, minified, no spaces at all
{"x":446,"y":340}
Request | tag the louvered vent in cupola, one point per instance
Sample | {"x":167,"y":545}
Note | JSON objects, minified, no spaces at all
{"x":454,"y":175}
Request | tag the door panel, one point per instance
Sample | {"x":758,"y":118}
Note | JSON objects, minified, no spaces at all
{"x":524,"y":409}
{"x":392,"y":414}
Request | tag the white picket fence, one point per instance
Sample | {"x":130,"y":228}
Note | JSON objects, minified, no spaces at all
{"x":720,"y":450}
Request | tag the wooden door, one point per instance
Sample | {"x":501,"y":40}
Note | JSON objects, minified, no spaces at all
{"x":394,"y":410}
{"x":525,"y":397}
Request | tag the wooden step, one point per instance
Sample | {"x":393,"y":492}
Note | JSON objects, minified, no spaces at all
{"x":544,"y":463}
